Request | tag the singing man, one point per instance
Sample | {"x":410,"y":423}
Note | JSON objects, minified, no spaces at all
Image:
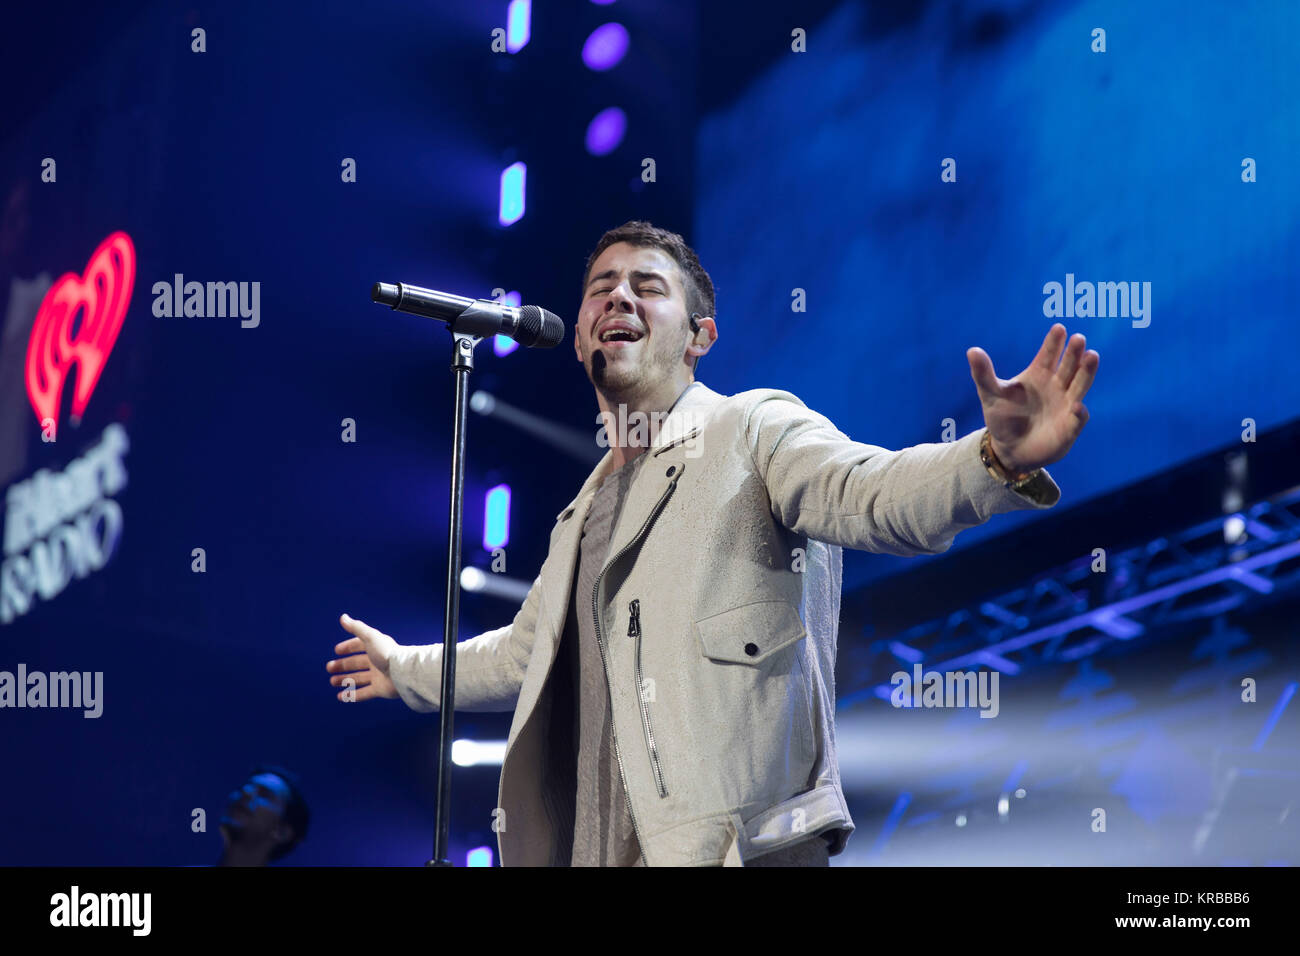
{"x":672,"y":669}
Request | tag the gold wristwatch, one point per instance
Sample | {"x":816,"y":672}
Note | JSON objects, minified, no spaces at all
{"x":994,"y":467}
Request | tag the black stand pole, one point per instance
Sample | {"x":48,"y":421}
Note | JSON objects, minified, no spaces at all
{"x":462,"y":362}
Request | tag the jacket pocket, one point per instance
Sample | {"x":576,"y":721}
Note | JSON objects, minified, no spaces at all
{"x":751,"y":633}
{"x":753,"y":704}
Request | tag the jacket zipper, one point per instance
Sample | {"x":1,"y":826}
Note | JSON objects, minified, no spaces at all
{"x":634,"y":630}
{"x":604,"y":662}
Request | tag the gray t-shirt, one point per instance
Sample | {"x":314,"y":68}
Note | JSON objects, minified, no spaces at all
{"x":584,"y":791}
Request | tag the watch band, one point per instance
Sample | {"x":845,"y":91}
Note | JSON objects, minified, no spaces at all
{"x":994,"y":467}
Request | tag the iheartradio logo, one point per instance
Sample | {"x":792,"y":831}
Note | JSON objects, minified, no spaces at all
{"x":77,"y":324}
{"x":64,"y":525}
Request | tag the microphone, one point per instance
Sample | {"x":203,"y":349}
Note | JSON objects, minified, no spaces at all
{"x":528,"y":325}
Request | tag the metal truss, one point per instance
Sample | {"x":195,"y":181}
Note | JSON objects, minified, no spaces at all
{"x":1074,"y":611}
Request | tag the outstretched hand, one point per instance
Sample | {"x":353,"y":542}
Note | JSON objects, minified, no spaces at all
{"x":364,"y":672}
{"x":1034,"y":418}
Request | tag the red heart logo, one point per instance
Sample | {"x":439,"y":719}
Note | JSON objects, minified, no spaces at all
{"x":101,"y":297}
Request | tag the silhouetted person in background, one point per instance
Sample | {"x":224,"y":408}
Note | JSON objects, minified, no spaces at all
{"x":265,"y":819}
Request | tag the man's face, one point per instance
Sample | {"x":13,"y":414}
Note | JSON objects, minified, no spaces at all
{"x":637,"y":289}
{"x":255,"y":812}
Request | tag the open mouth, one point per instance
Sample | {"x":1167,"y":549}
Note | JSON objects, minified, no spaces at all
{"x":619,"y":334}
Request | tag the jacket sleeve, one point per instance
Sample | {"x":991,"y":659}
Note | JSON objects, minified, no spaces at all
{"x":489,"y":668}
{"x":907,"y":502}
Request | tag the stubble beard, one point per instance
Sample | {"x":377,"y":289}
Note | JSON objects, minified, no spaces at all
{"x":613,"y":382}
{"x":629,"y":383}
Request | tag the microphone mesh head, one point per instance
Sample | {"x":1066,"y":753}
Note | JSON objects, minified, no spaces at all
{"x":539,"y":328}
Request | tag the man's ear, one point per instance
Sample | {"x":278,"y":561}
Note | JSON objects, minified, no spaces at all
{"x":703,"y":339}
{"x":576,"y":351}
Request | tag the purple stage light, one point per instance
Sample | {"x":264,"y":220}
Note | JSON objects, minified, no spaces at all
{"x":605,"y":47}
{"x":605,"y":131}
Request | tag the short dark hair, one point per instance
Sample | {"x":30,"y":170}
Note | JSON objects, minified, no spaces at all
{"x":700,"y":296}
{"x":295,"y":808}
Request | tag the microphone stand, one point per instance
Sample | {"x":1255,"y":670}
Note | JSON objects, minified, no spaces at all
{"x":475,"y":320}
{"x":462,"y":363}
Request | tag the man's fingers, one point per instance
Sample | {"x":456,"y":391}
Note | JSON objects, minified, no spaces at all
{"x":1070,"y":361}
{"x":365,"y":692}
{"x":353,"y":670}
{"x":360,"y":628}
{"x":353,"y":645}
{"x":981,"y":370}
{"x":352,"y":625}
{"x":363,"y":631}
{"x":358,"y":678}
{"x":1082,"y":380}
{"x":356,"y":662}
{"x":1050,"y":351}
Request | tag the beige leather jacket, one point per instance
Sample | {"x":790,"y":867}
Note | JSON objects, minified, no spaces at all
{"x":717,"y":616}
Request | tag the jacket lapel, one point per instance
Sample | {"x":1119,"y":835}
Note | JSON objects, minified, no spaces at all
{"x":683,"y":423}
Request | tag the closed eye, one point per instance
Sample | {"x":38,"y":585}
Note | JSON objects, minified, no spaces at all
{"x":602,"y":291}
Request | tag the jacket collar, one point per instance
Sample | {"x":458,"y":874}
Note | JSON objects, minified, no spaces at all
{"x":686,"y":417}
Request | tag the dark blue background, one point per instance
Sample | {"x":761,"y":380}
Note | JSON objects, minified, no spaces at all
{"x":816,"y":170}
